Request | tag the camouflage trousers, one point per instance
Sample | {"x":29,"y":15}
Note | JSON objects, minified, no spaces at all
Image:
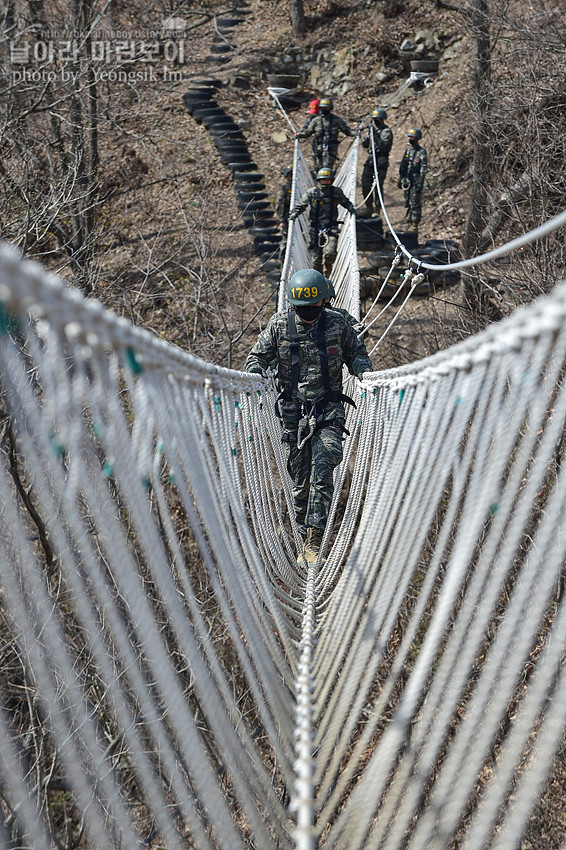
{"x":413,"y":203}
{"x":323,"y":158}
{"x":367,"y":180}
{"x":311,"y":469}
{"x":323,"y":256}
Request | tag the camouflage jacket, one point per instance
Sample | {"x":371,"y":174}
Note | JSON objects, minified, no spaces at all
{"x":283,"y":201}
{"x":413,"y":166}
{"x":383,"y":139}
{"x":323,"y":208}
{"x":325,"y":129}
{"x":356,"y":324}
{"x":342,"y":346}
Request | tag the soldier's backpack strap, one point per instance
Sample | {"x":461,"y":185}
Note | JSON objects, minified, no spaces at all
{"x":291,"y":392}
{"x":329,"y":395}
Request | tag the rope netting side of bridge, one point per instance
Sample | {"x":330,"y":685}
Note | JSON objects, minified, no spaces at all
{"x":181,"y":681}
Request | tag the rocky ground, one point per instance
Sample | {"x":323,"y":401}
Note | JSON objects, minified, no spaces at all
{"x":178,"y":258}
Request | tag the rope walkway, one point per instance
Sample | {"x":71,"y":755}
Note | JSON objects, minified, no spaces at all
{"x":406,"y":692}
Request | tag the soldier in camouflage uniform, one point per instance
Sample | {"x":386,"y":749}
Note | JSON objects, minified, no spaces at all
{"x":323,"y":200}
{"x":282,"y":207}
{"x":310,"y":346}
{"x":383,"y":139}
{"x":325,"y":128}
{"x":411,"y":178}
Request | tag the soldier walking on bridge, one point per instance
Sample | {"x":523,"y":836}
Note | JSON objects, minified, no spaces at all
{"x":411,"y":178}
{"x":310,"y":345}
{"x":383,"y":139}
{"x":325,"y":128}
{"x":323,"y":200}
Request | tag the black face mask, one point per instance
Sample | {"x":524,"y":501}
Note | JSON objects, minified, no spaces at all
{"x":308,"y":312}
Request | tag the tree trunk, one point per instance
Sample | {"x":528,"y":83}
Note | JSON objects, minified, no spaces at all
{"x":482,"y":143}
{"x":298,"y":17}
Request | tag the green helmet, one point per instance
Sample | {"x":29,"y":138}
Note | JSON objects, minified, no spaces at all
{"x":379,"y":113}
{"x":414,"y":133}
{"x":325,"y":103}
{"x":307,"y":286}
{"x":325,"y":173}
{"x":287,"y":170}
{"x":330,"y":291}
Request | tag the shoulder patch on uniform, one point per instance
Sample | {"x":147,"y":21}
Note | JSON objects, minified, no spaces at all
{"x":332,"y":349}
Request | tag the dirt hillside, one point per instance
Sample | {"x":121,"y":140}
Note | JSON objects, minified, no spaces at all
{"x":179,"y":259}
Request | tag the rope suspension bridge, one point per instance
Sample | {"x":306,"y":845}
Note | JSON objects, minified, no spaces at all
{"x":408,"y":692}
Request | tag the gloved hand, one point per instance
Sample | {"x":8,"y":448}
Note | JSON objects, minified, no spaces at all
{"x":297,"y":135}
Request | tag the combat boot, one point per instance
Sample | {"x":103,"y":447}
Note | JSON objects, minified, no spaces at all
{"x":368,"y":209}
{"x":313,"y":544}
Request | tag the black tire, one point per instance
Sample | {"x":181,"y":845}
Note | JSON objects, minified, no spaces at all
{"x":221,"y":47}
{"x":214,"y":82}
{"x":224,"y":145}
{"x":271,"y":266}
{"x":248,"y":176}
{"x":245,"y":195}
{"x":408,"y":239}
{"x":241,"y":165}
{"x":260,"y":221}
{"x":192,"y":105}
{"x":253,"y":206}
{"x":201,"y":114}
{"x":201,"y":91}
{"x":251,"y":191}
{"x":379,"y":259}
{"x":236,"y":156}
{"x":222,"y":125}
{"x":217,"y":58}
{"x":283,"y":81}
{"x":426,"y":66}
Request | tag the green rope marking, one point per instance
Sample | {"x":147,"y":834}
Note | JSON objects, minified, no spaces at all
{"x":108,"y":469}
{"x":8,"y":322}
{"x":234,"y":452}
{"x":493,"y":508}
{"x":160,"y":446}
{"x":401,"y":396}
{"x":217,"y":402}
{"x":146,"y":483}
{"x":458,"y":401}
{"x":171,"y":478}
{"x":133,"y":362}
{"x":97,"y":429}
